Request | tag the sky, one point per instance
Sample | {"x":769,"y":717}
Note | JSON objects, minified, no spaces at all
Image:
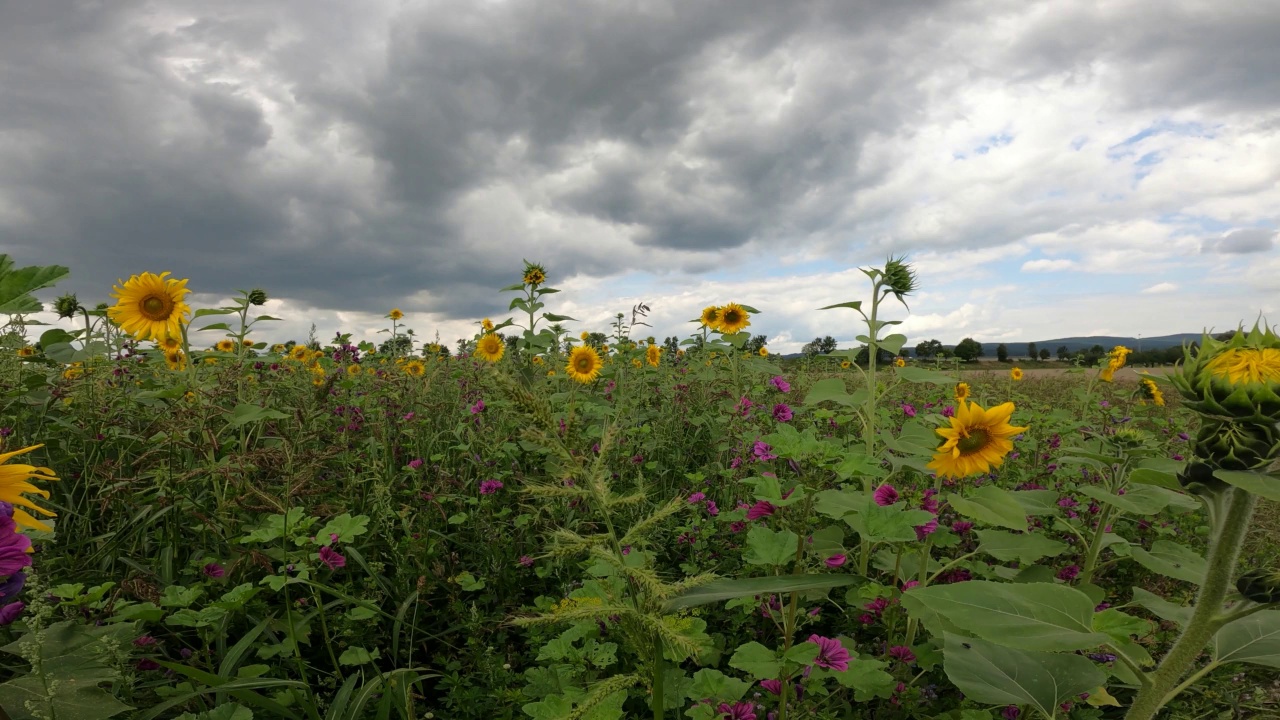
{"x":1052,"y":168}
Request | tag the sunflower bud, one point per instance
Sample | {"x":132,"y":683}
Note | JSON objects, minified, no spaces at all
{"x":1237,"y":379}
{"x":1260,"y":586}
{"x":257,"y":297}
{"x":1231,"y":445}
{"x":534,"y":274}
{"x":1128,"y":438}
{"x":1198,"y":478}
{"x":67,"y":305}
{"x":899,"y":277}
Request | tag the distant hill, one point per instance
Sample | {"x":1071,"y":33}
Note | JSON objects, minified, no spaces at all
{"x":1075,"y":344}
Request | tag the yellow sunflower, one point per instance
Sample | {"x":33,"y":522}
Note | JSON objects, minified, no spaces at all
{"x":170,"y":343}
{"x":353,"y":369}
{"x":963,"y":391}
{"x":584,"y":364}
{"x":175,"y":360}
{"x":395,"y":314}
{"x":534,"y":275}
{"x":845,"y":365}
{"x":733,"y":319}
{"x":537,"y":360}
{"x":551,"y":373}
{"x":300,"y":353}
{"x":1016,"y":373}
{"x":584,"y":335}
{"x":710,"y":317}
{"x":318,"y":380}
{"x":490,"y":348}
{"x":1151,"y":391}
{"x":73,"y":372}
{"x":150,"y":305}
{"x":487,"y":324}
{"x":226,"y":346}
{"x":247,"y":344}
{"x":764,"y":352}
{"x":414,"y":368}
{"x":26,"y":351}
{"x":278,"y":349}
{"x":653,"y":355}
{"x":637,"y":363}
{"x":899,"y":362}
{"x":1247,"y":365}
{"x":13,"y":483}
{"x":976,"y":441}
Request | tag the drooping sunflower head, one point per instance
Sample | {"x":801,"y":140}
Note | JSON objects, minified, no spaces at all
{"x":710,"y":317}
{"x":1015,"y":374}
{"x":1238,"y":378}
{"x":174,"y":359}
{"x":414,"y":368}
{"x":14,"y":487}
{"x":534,"y":274}
{"x":226,"y":346}
{"x":733,"y":319}
{"x":976,"y":441}
{"x":1150,"y":391}
{"x":637,"y":363}
{"x":150,"y":305}
{"x":963,"y":391}
{"x":169,"y":343}
{"x":26,"y":351}
{"x":584,"y":364}
{"x":487,"y":325}
{"x":653,"y":355}
{"x":395,"y":314}
{"x":490,"y":348}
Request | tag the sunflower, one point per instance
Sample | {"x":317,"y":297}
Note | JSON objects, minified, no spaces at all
{"x":1016,"y":373}
{"x":584,"y":335}
{"x":149,"y":305}
{"x":551,"y":373}
{"x":537,"y":360}
{"x":1151,"y":391}
{"x":175,"y":359}
{"x":733,"y":319}
{"x":26,"y":351}
{"x":977,"y":440}
{"x":300,"y":353}
{"x":584,"y":364}
{"x":1246,"y":365}
{"x":277,"y":349}
{"x":845,"y":365}
{"x":637,"y":363}
{"x":318,"y":380}
{"x":395,"y":314}
{"x":710,"y":317}
{"x":170,"y":343}
{"x":487,"y":324}
{"x":13,"y":483}
{"x":534,"y":274}
{"x":490,"y":348}
{"x":226,"y":346}
{"x":962,"y":392}
{"x":764,"y":352}
{"x":353,"y":369}
{"x":316,"y":369}
{"x":899,"y":362}
{"x":247,"y":344}
{"x":73,"y":372}
{"x":653,"y":355}
{"x":414,"y":368}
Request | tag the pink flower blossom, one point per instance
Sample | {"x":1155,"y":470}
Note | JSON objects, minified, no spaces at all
{"x":902,"y":653}
{"x":782,"y":412}
{"x":696,"y":498}
{"x":908,"y":410}
{"x":526,"y":561}
{"x":927,"y":529}
{"x":780,"y":383}
{"x":332,"y":558}
{"x":712,"y":509}
{"x":213,"y":570}
{"x":489,"y":487}
{"x":831,"y":654}
{"x":764,"y":508}
{"x":761,"y":451}
{"x":477,"y":408}
{"x":835,"y":561}
{"x":773,"y":686}
{"x":886,"y":495}
{"x":737,"y":711}
{"x":415,"y":463}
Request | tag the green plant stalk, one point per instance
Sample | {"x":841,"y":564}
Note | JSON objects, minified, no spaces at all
{"x":659,"y":711}
{"x":1095,"y":545}
{"x":1224,"y":551}
{"x":869,"y":408}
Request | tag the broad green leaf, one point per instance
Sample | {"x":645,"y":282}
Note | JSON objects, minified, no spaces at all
{"x":1038,"y":502}
{"x":713,"y":684}
{"x":347,"y":528}
{"x":991,"y":505}
{"x":1039,"y":616}
{"x":837,"y":503}
{"x":17,"y":285}
{"x":1162,"y":608}
{"x":831,"y":389}
{"x":756,"y":660}
{"x":357,"y":656}
{"x":1267,"y":486}
{"x":802,"y":654}
{"x":915,"y":374}
{"x":1139,"y":499}
{"x":770,"y":547}
{"x":1172,"y":560}
{"x":1120,"y":625}
{"x":1158,"y":478}
{"x":867,"y":678}
{"x":996,"y":675}
{"x":1253,"y":639}
{"x":243,"y":414}
{"x":852,"y":304}
{"x":893,"y":343}
{"x":74,"y":657}
{"x":1024,"y":548}
{"x":179,"y":596}
{"x":894,"y":523}
{"x":729,"y":588}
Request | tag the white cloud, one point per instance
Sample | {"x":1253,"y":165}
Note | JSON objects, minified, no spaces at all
{"x":1159,"y":288}
{"x":1044,"y":265}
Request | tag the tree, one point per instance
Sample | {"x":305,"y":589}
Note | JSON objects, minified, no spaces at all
{"x":928,"y":348}
{"x":819,"y":346}
{"x":1063,"y":353}
{"x":968,"y":350}
{"x":671,"y":345}
{"x":1032,"y":352}
{"x":1044,"y":354}
{"x":398,"y":345}
{"x":1002,"y":353}
{"x":755,"y":343}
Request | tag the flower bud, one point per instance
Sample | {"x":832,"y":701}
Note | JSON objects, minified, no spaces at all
{"x":257,"y":297}
{"x":1238,"y":379}
{"x":899,"y":277}
{"x":67,"y":305}
{"x":1260,"y":586}
{"x":1228,"y":445}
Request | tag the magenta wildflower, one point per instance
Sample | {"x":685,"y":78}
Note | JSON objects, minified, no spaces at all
{"x":780,"y":383}
{"x":712,"y":510}
{"x":961,"y":527}
{"x":213,"y":570}
{"x":489,"y":487}
{"x":696,"y":498}
{"x":835,"y":561}
{"x":782,"y":412}
{"x":927,"y":529}
{"x":831,"y":654}
{"x":1011,"y":712}
{"x":948,"y":411}
{"x":910,"y":584}
{"x":332,"y":558}
{"x":13,"y":544}
{"x":146,"y":664}
{"x":1069,"y":573}
{"x":477,"y":408}
{"x":761,"y":451}
{"x":145,"y":641}
{"x":909,"y":410}
{"x":773,"y":686}
{"x":929,"y":503}
{"x":902,"y":653}
{"x":764,"y":508}
{"x":415,"y":463}
{"x":526,"y":561}
{"x":877,"y":606}
{"x":737,"y":711}
{"x":886,"y":495}
{"x":10,"y":612}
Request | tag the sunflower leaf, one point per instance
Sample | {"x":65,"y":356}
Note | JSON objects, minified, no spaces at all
{"x":854,"y":304}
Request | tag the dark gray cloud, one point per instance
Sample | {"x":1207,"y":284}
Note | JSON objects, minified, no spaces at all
{"x":350,"y":155}
{"x":1240,"y":242}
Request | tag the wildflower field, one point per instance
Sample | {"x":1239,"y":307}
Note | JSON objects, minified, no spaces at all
{"x":555,"y":524}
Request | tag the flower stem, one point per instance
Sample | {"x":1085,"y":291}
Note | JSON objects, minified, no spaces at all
{"x":1224,"y":551}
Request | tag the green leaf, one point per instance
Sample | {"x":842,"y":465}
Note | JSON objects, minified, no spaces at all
{"x":217,"y":326}
{"x":357,"y":656}
{"x":1267,"y":486}
{"x":1172,"y":560}
{"x":1158,"y":478}
{"x":769,"y":547}
{"x":1120,"y":625}
{"x":347,"y":528}
{"x":178,"y":596}
{"x":991,"y":505}
{"x":892,"y":523}
{"x":243,"y":414}
{"x":1024,"y":548}
{"x":1162,"y":608}
{"x":914,"y":374}
{"x":205,"y":312}
{"x":1037,"y":502}
{"x":996,"y":675}
{"x":16,"y":286}
{"x":867,"y":678}
{"x":74,"y":657}
{"x":852,"y":304}
{"x":893,"y":343}
{"x":557,"y":318}
{"x":729,"y":588}
{"x":1036,"y":616}
{"x":756,"y":660}
{"x":1138,"y":499}
{"x":830,"y":389}
{"x":1253,"y":639}
{"x":715,"y":685}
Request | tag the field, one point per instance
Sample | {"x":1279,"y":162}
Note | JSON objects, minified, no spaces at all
{"x":542,"y":527}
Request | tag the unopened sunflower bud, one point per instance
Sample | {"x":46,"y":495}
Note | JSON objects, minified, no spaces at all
{"x":1128,"y":438}
{"x":1229,"y":445}
{"x":67,"y":305}
{"x":1237,"y":379}
{"x":1197,"y":477}
{"x":1260,"y":586}
{"x":257,"y":297}
{"x":899,"y":277}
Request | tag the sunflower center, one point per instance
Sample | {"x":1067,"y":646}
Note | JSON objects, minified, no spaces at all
{"x":582,"y":364}
{"x":974,"y":441}
{"x":156,"y":307}
{"x":1247,"y":365}
{"x":732,"y":317}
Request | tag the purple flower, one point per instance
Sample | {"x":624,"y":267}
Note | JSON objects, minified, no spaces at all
{"x":1069,"y":573}
{"x":773,"y":686}
{"x":415,"y":463}
{"x":696,"y":498}
{"x":780,"y":383}
{"x":902,"y":653}
{"x":927,"y":529}
{"x":489,"y":487}
{"x":332,"y":558}
{"x":782,"y":412}
{"x":11,"y":586}
{"x":712,"y":510}
{"x":831,"y":654}
{"x":737,"y":711}
{"x":908,"y":410}
{"x":1067,"y":502}
{"x":145,"y":641}
{"x":477,"y":408}
{"x":761,"y":451}
{"x":929,"y":503}
{"x":13,"y":544}
{"x":1010,"y":712}
{"x":146,"y":664}
{"x":961,"y":527}
{"x":186,"y":653}
{"x":835,"y":561}
{"x":10,"y":612}
{"x":948,"y":411}
{"x":764,"y":508}
{"x":526,"y":561}
{"x":886,"y":495}
{"x":213,"y":570}
{"x":1183,"y":437}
